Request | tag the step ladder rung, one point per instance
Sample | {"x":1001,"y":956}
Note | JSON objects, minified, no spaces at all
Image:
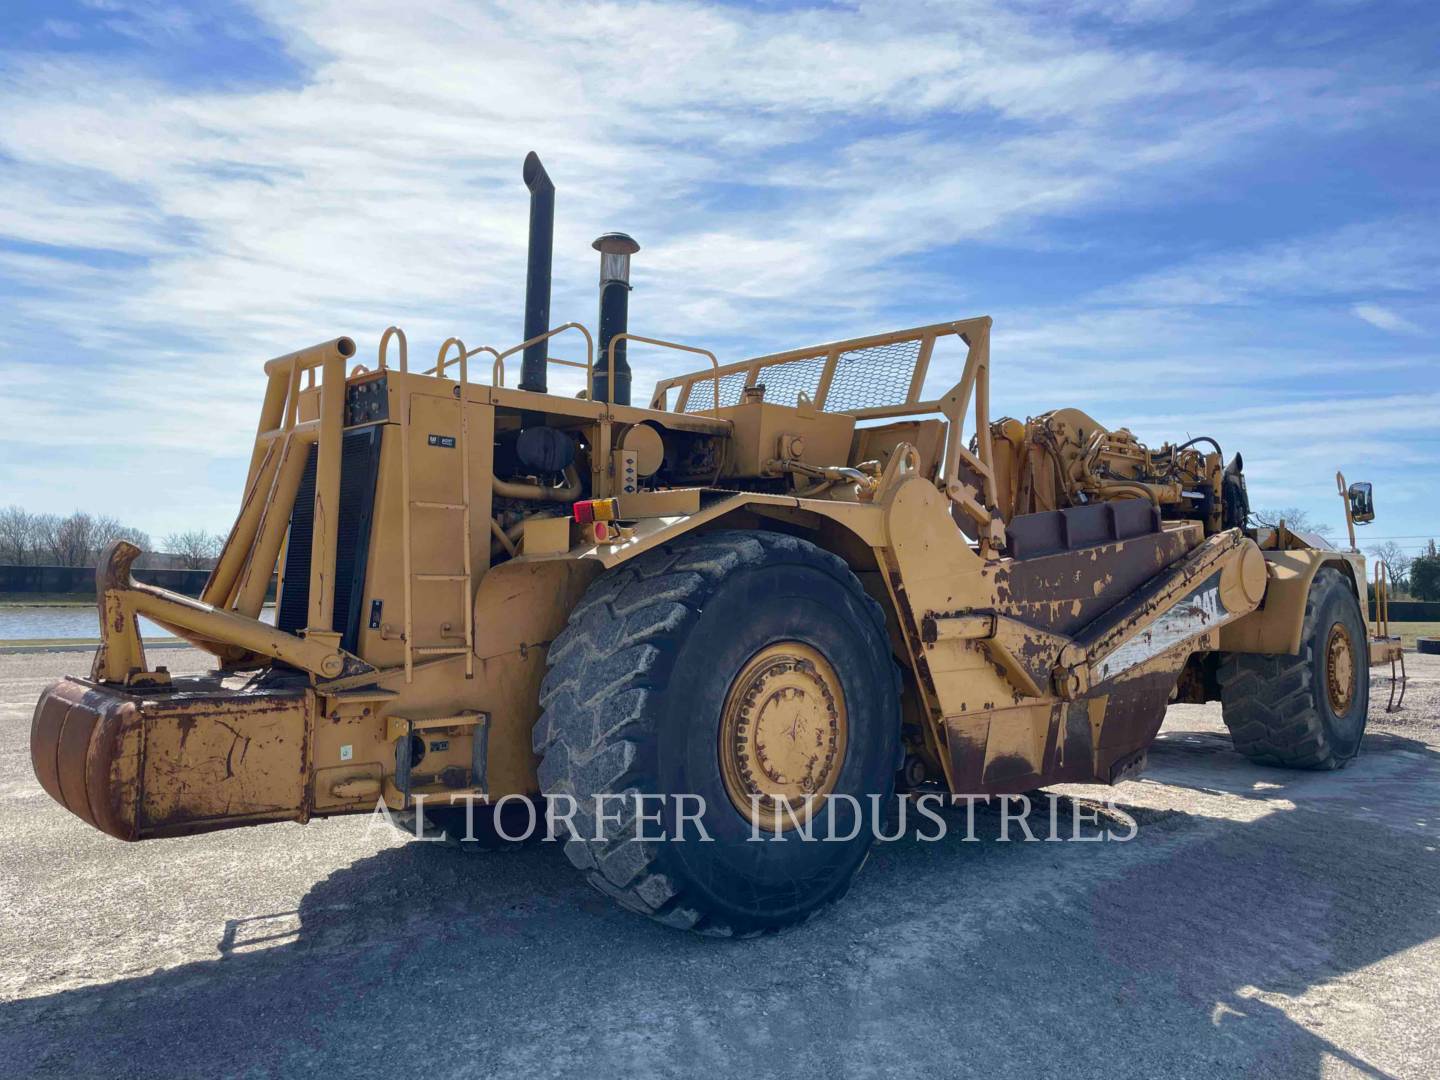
{"x":461,"y":506}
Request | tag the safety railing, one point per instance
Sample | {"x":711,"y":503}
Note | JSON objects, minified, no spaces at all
{"x":1383,"y":647}
{"x":714,"y":363}
{"x":1382,"y":599}
{"x":497,"y":375}
{"x":876,"y":377}
{"x":869,"y":377}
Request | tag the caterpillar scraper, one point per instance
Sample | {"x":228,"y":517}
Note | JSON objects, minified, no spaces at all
{"x":783,"y":587}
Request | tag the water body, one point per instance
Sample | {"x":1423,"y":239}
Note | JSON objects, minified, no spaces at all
{"x":45,"y":623}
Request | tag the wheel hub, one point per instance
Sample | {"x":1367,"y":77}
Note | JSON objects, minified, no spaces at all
{"x":782,"y":734}
{"x":1339,"y":668}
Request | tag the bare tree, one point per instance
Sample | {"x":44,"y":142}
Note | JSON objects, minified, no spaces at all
{"x":196,"y":550}
{"x":1396,"y":561}
{"x":19,"y":539}
{"x":68,"y":541}
{"x":1295,"y":519}
{"x":77,"y":540}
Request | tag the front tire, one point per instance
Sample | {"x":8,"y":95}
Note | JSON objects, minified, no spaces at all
{"x":1305,"y":711}
{"x":722,"y":665}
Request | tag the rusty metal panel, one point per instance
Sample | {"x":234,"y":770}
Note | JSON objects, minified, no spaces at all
{"x":198,"y":757}
{"x":85,"y":749}
{"x":1007,"y":751}
{"x":210,"y":760}
{"x":1065,"y":591}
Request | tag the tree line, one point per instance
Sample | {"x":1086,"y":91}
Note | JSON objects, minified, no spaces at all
{"x":1418,"y":576}
{"x":28,"y":539}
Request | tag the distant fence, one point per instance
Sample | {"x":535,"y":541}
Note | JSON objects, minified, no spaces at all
{"x":1410,"y":611}
{"x":80,"y":580}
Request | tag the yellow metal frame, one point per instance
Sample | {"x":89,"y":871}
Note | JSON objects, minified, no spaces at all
{"x":121,"y":655}
{"x":832,"y":351}
{"x":979,"y":504}
{"x":225,"y":618}
{"x":1349,"y":517}
{"x":247,"y":561}
{"x":1385,"y":648}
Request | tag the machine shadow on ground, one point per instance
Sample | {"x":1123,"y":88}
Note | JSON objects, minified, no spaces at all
{"x":1113,"y":959}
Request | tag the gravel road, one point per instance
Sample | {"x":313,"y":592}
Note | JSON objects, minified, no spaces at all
{"x":1261,"y":922}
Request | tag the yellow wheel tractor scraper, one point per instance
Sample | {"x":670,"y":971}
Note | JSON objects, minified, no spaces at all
{"x":784,"y":582}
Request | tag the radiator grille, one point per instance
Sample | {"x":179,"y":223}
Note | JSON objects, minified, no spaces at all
{"x":359,"y":464}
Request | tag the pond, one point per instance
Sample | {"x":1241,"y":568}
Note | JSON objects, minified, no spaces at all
{"x":60,"y":621}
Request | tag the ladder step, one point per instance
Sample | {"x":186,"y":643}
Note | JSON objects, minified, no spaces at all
{"x":396,"y":726}
{"x":440,"y":650}
{"x":442,"y":577}
{"x":421,"y":504}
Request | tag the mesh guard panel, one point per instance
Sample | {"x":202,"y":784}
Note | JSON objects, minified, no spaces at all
{"x":868,"y":377}
{"x":874,"y":376}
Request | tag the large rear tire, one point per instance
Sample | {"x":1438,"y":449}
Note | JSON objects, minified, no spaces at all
{"x":718,"y":666}
{"x":1305,"y":711}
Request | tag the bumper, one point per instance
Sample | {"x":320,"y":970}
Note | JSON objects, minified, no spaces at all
{"x":85,"y":754}
{"x":198,"y":756}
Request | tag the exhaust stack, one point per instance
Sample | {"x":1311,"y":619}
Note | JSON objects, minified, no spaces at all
{"x":615,"y":250}
{"x":537,"y":273}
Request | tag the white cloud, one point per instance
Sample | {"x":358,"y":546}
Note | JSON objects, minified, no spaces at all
{"x":1384,"y":319}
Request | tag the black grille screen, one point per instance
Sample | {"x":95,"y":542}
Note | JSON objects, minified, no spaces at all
{"x":359,"y":463}
{"x":294,"y":606}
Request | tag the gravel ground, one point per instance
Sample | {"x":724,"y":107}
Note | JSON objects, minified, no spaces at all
{"x":1261,"y":922}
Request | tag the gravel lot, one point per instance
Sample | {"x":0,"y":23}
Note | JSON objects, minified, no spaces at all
{"x":1261,"y":922}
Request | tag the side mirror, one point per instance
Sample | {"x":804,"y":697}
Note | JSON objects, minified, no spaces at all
{"x":1362,"y":503}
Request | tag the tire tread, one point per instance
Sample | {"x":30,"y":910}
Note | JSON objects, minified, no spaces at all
{"x":602,"y":669}
{"x":1270,"y":701}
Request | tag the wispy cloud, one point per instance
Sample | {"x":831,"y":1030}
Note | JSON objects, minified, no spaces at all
{"x":1384,"y":319}
{"x":1395,"y":256}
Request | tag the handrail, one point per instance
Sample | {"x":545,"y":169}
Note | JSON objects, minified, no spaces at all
{"x":715,"y":384}
{"x":313,"y":357}
{"x":393,"y":331}
{"x":485,"y":348}
{"x":1382,"y":599}
{"x":497,"y":375}
{"x":441,"y":363}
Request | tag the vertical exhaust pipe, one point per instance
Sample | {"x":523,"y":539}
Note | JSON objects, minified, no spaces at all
{"x":537,"y":272}
{"x":615,"y":250}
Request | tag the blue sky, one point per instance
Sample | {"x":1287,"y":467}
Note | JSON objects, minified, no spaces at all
{"x":1185,"y":218}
